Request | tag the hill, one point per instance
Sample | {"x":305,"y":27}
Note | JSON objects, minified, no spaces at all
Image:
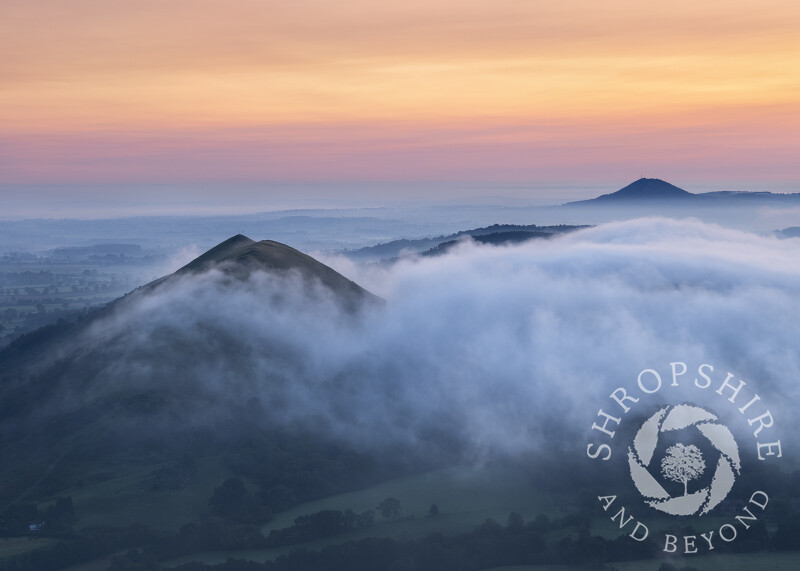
{"x":642,"y":190}
{"x":502,"y":233}
{"x":656,"y":192}
{"x":791,"y":232}
{"x":239,"y":257}
{"x":185,"y":415}
{"x":139,"y":410}
{"x":495,"y":239}
{"x":648,"y":189}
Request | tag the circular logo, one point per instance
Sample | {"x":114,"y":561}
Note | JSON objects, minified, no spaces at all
{"x":683,"y":463}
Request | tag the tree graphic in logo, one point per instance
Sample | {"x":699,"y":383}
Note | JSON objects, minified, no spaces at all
{"x":683,"y":463}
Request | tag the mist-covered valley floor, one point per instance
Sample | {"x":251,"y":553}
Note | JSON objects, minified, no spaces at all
{"x":206,"y":405}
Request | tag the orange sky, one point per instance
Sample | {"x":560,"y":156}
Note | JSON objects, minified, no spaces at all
{"x":506,"y":90}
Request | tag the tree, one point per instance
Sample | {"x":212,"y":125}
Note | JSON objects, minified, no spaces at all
{"x":366,"y":519}
{"x":515,"y":521}
{"x":683,"y":463}
{"x":389,"y":508}
{"x":433,"y":511}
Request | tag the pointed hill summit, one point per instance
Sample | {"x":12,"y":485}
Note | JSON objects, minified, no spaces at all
{"x":239,"y":256}
{"x":642,"y":190}
{"x":648,"y":189}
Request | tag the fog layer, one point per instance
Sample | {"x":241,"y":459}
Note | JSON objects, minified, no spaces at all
{"x":501,"y":349}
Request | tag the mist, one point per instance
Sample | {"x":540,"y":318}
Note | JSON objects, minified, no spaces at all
{"x":502,"y":350}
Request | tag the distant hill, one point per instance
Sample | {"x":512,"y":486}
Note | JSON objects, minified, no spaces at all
{"x":648,"y":189}
{"x":495,"y":238}
{"x":98,"y":249}
{"x":655,"y":191}
{"x":503,"y":233}
{"x":791,"y":232}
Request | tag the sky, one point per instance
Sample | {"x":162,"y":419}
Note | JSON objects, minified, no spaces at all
{"x":100,"y":97}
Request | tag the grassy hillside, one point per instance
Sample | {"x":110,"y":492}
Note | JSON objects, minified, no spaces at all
{"x":466,"y":497}
{"x":126,"y":496}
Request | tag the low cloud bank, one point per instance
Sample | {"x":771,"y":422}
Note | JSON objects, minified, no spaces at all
{"x":501,"y":349}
